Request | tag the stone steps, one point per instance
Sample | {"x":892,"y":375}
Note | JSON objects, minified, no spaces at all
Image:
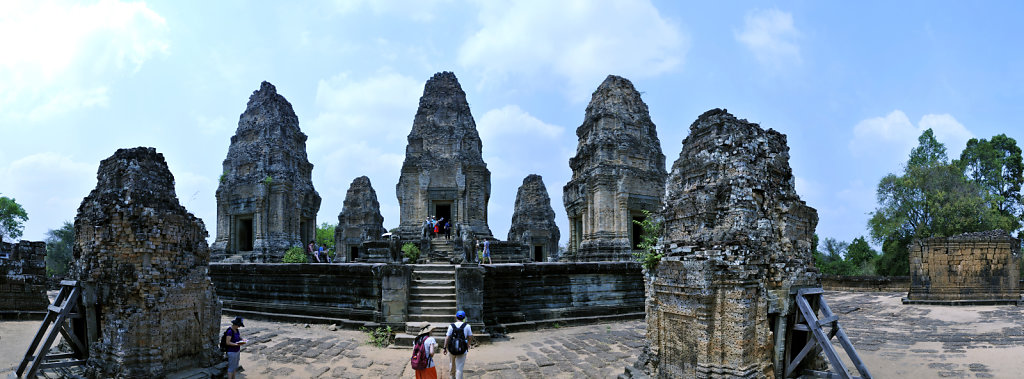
{"x":431,"y":298}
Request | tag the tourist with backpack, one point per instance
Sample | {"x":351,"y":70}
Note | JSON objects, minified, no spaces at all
{"x":422,"y":360}
{"x":231,"y":342}
{"x":456,"y":342}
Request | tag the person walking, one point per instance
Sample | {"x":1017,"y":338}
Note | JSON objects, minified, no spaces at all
{"x":456,"y":342}
{"x":487,"y":251}
{"x":233,"y":340}
{"x":428,"y":344}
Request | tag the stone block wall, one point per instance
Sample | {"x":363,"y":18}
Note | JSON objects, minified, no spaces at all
{"x":524,"y":295}
{"x":865,"y":283}
{"x":509,"y":252}
{"x":351,"y":294}
{"x":23,"y":284}
{"x":969,"y":267}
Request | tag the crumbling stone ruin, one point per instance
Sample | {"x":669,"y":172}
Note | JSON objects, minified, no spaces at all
{"x":970,"y":268}
{"x":23,"y":284}
{"x":265,"y":202}
{"x":444,"y":173}
{"x":737,"y":239}
{"x":142,"y":261}
{"x":533,"y":220}
{"x":360,"y":220}
{"x":617,"y":173}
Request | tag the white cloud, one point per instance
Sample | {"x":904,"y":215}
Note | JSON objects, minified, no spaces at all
{"x":511,"y":120}
{"x":418,"y":10}
{"x":893,"y":136}
{"x":50,"y":186}
{"x":60,"y":57}
{"x":771,"y":36}
{"x":360,"y":130}
{"x":581,"y":41}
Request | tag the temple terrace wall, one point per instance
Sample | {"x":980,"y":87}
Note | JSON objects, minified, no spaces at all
{"x":514,"y":296}
{"x":865,"y":283}
{"x":524,"y":296}
{"x":23,"y":284}
{"x":969,"y":268}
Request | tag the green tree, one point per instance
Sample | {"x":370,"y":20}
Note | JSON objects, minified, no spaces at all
{"x":60,"y":245}
{"x":12,"y":218}
{"x":931,"y":199}
{"x":325,"y":237}
{"x":997,"y":166}
{"x":862,"y":256}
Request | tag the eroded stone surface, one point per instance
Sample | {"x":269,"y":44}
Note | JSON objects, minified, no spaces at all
{"x":265,"y":202}
{"x":967,"y":267}
{"x":533,"y":220}
{"x":737,"y":238}
{"x":23,"y":284}
{"x":444,"y":174}
{"x":618,"y":172}
{"x":142,"y":262}
{"x":360,"y":219}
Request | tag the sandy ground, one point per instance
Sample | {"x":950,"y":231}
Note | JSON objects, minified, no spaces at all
{"x":895,"y":341}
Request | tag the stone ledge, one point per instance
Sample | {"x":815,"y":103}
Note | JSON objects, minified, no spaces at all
{"x":568,"y":321}
{"x":302,"y":319}
{"x":964,"y":302}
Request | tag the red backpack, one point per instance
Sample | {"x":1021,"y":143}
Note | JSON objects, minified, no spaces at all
{"x":420,"y":359}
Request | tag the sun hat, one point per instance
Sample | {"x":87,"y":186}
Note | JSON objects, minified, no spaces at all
{"x":426,"y":329}
{"x":238,"y":321}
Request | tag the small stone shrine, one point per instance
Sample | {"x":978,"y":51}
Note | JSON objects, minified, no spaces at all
{"x":617,"y":173}
{"x":966,"y":269}
{"x":23,"y":282}
{"x":533,"y":220}
{"x":265,"y":202}
{"x":142,"y":261}
{"x":360,"y":220}
{"x":737,"y":239}
{"x":444,"y":174}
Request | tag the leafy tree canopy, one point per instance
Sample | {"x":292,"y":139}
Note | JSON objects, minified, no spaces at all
{"x":12,"y":218}
{"x":60,"y":245}
{"x":997,"y":166}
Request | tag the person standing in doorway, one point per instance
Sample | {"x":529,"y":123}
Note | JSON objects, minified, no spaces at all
{"x":456,"y":342}
{"x":447,"y":230}
{"x":233,"y":339}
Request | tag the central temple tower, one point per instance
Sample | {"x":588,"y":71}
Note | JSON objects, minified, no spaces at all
{"x":444,"y":174}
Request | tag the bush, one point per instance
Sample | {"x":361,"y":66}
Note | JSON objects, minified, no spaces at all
{"x":649,"y":256}
{"x":295,"y":254}
{"x":380,"y":337}
{"x":411,"y":251}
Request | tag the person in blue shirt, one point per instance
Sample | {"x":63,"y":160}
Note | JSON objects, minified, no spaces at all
{"x":233,"y":339}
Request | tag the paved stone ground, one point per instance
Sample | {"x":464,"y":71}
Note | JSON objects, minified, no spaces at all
{"x":895,"y":340}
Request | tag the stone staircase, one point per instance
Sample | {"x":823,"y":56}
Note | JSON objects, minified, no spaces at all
{"x":442,"y":251}
{"x":431,"y":301}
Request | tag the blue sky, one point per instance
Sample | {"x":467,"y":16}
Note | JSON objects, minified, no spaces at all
{"x":852,"y":86}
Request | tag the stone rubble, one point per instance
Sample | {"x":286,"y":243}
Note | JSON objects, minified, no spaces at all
{"x":142,"y":261}
{"x":266,"y":202}
{"x":618,"y":172}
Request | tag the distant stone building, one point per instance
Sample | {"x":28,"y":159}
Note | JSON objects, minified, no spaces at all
{"x":360,"y":220}
{"x":444,"y":174}
{"x":142,"y":263}
{"x":265,"y":202}
{"x":617,"y":173}
{"x":23,"y":280}
{"x":737,"y":240}
{"x":970,"y":268}
{"x":533,"y":220}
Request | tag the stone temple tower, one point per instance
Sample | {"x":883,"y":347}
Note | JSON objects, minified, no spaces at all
{"x":618,"y":172}
{"x":265,"y":202}
{"x":444,"y":173}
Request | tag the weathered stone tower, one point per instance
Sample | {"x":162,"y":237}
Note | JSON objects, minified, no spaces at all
{"x":444,"y":173}
{"x":737,"y":239}
{"x":142,"y":262}
{"x":359,"y":221}
{"x":265,"y":202}
{"x":617,"y":173}
{"x":533,"y":220}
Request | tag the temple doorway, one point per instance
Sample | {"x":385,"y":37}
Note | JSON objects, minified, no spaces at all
{"x":244,"y":234}
{"x":638,"y":231}
{"x":538,"y":253}
{"x":443,"y":210}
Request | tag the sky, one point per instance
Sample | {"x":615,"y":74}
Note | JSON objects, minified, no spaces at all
{"x":851,"y":85}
